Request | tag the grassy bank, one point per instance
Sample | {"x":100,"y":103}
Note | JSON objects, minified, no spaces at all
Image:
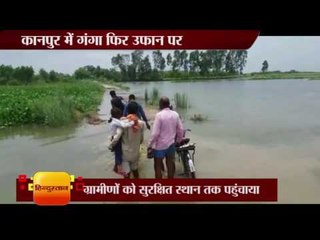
{"x":283,"y":75}
{"x":247,"y":76}
{"x":48,"y":104}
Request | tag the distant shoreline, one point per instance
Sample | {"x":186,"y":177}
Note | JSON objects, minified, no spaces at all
{"x":250,"y":76}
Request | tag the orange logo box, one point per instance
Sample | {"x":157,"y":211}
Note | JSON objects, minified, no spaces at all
{"x":51,"y":188}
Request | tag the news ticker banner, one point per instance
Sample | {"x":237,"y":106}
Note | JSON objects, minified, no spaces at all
{"x":127,"y":39}
{"x":60,"y":188}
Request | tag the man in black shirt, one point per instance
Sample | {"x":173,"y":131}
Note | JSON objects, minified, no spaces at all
{"x":116,"y":101}
{"x":140,"y":113}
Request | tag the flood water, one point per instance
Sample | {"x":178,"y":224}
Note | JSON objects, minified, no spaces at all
{"x":254,"y":129}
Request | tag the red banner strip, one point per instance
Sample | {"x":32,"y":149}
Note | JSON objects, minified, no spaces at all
{"x":176,"y":190}
{"x":127,"y":39}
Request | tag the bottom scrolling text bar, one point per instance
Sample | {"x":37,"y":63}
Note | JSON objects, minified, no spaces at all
{"x":168,"y":190}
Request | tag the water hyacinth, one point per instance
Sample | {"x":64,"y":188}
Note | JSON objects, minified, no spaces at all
{"x":47,"y":104}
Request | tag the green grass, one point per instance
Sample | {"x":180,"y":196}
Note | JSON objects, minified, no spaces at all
{"x":283,"y":75}
{"x":53,"y":111}
{"x":247,"y":76}
{"x":48,"y":104}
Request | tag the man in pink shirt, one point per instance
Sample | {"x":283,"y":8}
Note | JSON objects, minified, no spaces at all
{"x":166,"y":131}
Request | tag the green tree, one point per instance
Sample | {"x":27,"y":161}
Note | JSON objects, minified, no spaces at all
{"x":43,"y":74}
{"x":53,"y":76}
{"x":169,"y":60}
{"x":205,"y":63}
{"x":176,"y":60}
{"x":112,"y":74}
{"x":194,"y":60}
{"x":98,"y":72}
{"x":80,"y":73}
{"x":184,"y":62}
{"x":90,"y":69}
{"x":145,"y":65}
{"x":230,"y":65}
{"x":218,"y":60}
{"x":265,"y":66}
{"x":132,"y":73}
{"x":240,"y":60}
{"x":23,"y":74}
{"x":118,"y":61}
{"x":6,"y":74}
{"x":145,"y":69}
{"x":136,"y":58}
{"x":158,"y":60}
{"x":122,"y":62}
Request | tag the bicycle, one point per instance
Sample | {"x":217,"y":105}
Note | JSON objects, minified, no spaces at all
{"x":186,"y":151}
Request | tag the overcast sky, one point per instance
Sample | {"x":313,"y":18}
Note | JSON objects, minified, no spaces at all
{"x":282,"y":53}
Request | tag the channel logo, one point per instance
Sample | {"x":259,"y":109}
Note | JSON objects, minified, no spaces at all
{"x":51,"y":188}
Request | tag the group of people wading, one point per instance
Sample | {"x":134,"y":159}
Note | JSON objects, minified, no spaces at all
{"x":127,"y":125}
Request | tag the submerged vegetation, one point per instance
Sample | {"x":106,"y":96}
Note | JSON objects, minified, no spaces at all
{"x":198,"y":118}
{"x":146,"y":96}
{"x":181,"y":100}
{"x":154,"y":98}
{"x":48,"y":104}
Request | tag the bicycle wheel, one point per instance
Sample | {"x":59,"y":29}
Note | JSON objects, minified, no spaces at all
{"x":184,"y":160}
{"x":191,"y":167}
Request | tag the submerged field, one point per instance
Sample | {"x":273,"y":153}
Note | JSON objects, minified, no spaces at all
{"x":48,"y":104}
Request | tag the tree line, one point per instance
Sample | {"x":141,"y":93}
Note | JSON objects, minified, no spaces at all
{"x":138,"y":67}
{"x":26,"y":74}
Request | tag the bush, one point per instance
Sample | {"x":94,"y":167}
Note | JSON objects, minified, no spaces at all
{"x":14,"y":82}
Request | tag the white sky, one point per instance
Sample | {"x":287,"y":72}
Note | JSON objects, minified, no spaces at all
{"x":282,"y":53}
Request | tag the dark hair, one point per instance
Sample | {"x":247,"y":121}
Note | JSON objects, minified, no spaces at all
{"x":113,"y":93}
{"x":115,"y":113}
{"x":132,"y":97}
{"x":132,"y":108}
{"x":164,"y":102}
